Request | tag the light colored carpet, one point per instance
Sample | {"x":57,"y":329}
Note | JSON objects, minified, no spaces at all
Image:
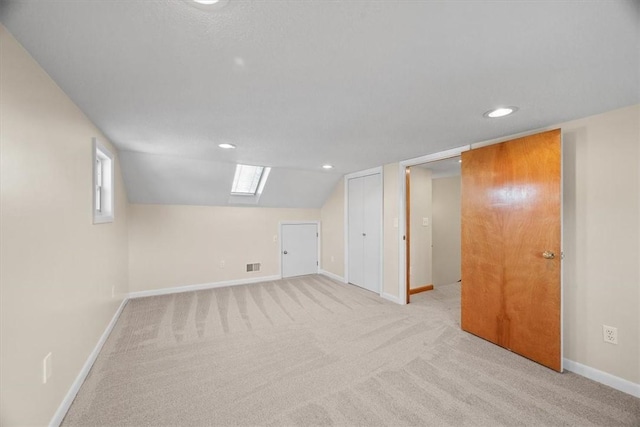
{"x":311,"y":351}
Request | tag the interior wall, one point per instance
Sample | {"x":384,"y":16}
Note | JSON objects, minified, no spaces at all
{"x":447,"y":248}
{"x":57,"y":270}
{"x":178,"y":245}
{"x":391,"y":213}
{"x":601,"y":162}
{"x":421,"y":235}
{"x":332,"y":217}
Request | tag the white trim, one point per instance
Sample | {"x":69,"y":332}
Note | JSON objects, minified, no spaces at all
{"x":199,"y":287}
{"x":379,"y":170}
{"x":332,"y":275}
{"x":318,"y":248}
{"x":402,"y":218}
{"x":100,"y":151}
{"x":61,"y":412}
{"x":391,"y":298}
{"x":366,"y":172}
{"x":612,"y":381}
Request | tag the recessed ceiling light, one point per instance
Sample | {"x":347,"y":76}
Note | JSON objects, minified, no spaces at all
{"x":226,"y":146}
{"x":208,"y":5}
{"x":500,"y":112}
{"x":327,"y":167}
{"x":460,"y":161}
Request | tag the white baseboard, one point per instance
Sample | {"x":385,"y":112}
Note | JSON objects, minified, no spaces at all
{"x":75,"y":386}
{"x":332,"y":275}
{"x":612,"y":381}
{"x":189,"y":288}
{"x":391,"y":298}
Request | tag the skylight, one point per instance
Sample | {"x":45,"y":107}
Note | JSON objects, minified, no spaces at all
{"x":249,"y":180}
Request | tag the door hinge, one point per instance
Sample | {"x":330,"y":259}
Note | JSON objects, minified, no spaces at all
{"x":317,"y":235}
{"x":317,"y":263}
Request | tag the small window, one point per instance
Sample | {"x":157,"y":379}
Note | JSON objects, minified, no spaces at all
{"x":247,"y":180}
{"x":248,"y":184}
{"x":102,"y":184}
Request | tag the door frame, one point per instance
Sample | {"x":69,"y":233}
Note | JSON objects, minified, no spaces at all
{"x":280,"y":248}
{"x":379,"y":170}
{"x":403,"y":239}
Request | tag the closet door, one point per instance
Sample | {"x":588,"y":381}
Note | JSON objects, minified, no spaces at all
{"x":372,"y":221}
{"x":356,"y":229}
{"x":365,"y":221}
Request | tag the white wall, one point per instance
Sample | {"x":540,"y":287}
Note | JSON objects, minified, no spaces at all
{"x":173,"y":245}
{"x":420,"y":193}
{"x":332,"y":217}
{"x":57,"y":269}
{"x":600,"y":238}
{"x":447,"y":249}
{"x":391,"y":245}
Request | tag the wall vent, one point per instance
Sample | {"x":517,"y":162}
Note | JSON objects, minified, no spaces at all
{"x":253,"y":267}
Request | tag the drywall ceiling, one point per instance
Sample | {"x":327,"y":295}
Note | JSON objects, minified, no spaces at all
{"x":296,"y":84}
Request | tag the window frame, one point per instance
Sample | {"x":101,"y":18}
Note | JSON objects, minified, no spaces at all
{"x":248,"y":198}
{"x":105,"y":193}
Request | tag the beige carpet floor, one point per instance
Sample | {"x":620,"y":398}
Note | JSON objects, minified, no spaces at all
{"x":311,"y":351}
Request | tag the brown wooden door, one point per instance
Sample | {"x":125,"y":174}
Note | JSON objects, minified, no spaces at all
{"x":511,"y":216}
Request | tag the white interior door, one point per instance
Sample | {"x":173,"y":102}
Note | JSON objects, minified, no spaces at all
{"x":372,"y":213}
{"x":299,"y":249}
{"x":356,"y":231}
{"x":365,"y":219}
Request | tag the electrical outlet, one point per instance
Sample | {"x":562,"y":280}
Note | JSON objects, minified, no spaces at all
{"x":47,"y":368}
{"x":275,"y":237}
{"x":610,"y":334}
{"x":222,"y":263}
{"x":425,"y":222}
{"x":333,"y":259}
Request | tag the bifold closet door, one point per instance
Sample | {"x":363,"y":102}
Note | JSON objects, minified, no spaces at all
{"x":365,"y":221}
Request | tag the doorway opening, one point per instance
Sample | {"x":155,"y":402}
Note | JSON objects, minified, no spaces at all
{"x":432,"y":218}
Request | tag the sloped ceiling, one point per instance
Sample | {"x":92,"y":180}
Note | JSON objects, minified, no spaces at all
{"x":296,"y":84}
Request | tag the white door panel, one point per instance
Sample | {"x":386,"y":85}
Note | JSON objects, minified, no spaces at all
{"x":372,"y":221}
{"x":365,"y":219}
{"x":356,"y":229}
{"x":299,"y":249}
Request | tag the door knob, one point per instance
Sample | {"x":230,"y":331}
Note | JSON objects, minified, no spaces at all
{"x":548,"y":255}
{"x":364,"y":234}
{"x":285,"y":252}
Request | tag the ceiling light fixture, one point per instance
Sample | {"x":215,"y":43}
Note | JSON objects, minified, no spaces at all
{"x":207,"y":5}
{"x":327,"y":167}
{"x":500,"y":112}
{"x":226,"y":146}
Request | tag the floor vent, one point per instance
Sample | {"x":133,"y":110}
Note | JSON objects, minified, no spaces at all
{"x":253,"y":267}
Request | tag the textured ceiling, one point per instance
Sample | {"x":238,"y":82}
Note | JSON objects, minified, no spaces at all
{"x":296,"y":84}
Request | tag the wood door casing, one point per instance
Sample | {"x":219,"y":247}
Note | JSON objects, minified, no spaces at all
{"x":407,"y":238}
{"x":511,"y":214}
